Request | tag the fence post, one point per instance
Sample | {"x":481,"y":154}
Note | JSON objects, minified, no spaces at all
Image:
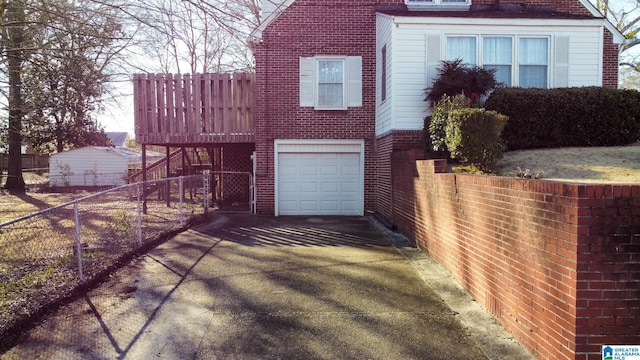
{"x":139,"y":203}
{"x":76,"y":218}
{"x":181,"y":192}
{"x":206,"y":174}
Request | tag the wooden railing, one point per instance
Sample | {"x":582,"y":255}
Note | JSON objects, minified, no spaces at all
{"x":193,"y":109}
{"x":158,"y":170}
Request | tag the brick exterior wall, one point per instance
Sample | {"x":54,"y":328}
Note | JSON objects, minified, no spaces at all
{"x":304,"y":30}
{"x":385,"y":146}
{"x":557,"y":264}
{"x":610,"y":61}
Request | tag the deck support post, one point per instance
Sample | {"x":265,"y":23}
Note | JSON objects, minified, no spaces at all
{"x":168,"y":184}
{"x":144,"y":179}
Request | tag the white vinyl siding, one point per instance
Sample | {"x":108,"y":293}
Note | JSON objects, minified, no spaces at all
{"x":331,"y":82}
{"x":87,"y":166}
{"x":419,"y":44}
{"x":383,"y":108}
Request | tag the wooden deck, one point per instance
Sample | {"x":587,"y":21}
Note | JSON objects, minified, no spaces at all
{"x":192,"y":110}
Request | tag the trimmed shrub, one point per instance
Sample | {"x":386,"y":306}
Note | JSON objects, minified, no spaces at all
{"x":551,"y":118}
{"x":473,"y":136}
{"x":438,"y":121}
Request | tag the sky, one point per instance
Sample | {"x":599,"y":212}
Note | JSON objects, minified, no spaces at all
{"x":118,"y":117}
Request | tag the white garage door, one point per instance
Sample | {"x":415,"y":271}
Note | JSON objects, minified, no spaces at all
{"x":321,"y":182}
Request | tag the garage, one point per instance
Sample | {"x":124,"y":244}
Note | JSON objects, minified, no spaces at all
{"x":322,"y":177}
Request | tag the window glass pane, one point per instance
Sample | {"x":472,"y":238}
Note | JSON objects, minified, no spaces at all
{"x":533,"y":51}
{"x":330,"y":71}
{"x":533,"y":58}
{"x":497,"y":53}
{"x":496,"y":50}
{"x":462,"y":48}
{"x":330,"y":95}
{"x":533,"y":76}
{"x":330,"y":83}
{"x":383,"y":84}
{"x":502,"y":74}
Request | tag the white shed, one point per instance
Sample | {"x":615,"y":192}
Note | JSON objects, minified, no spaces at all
{"x":95,"y":166}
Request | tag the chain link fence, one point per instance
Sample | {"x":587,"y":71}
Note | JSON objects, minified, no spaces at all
{"x":46,"y":256}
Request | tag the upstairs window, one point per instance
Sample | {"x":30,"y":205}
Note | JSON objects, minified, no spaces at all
{"x":383,"y":76}
{"x":331,"y":82}
{"x":438,"y":4}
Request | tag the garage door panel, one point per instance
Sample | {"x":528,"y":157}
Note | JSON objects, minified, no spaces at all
{"x":308,"y":170}
{"x":309,"y":187}
{"x":329,"y":170}
{"x":319,"y":183}
{"x":288,"y":206}
{"x":329,"y":187}
{"x":288,"y":170}
{"x":349,"y":205}
{"x":346,"y":187}
{"x":290,"y":187}
{"x":307,"y":206}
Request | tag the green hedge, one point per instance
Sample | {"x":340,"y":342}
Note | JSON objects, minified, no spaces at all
{"x":473,"y":135}
{"x":550,"y":118}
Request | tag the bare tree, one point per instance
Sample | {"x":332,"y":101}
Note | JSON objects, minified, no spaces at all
{"x":198,"y":36}
{"x":625,"y":16}
{"x":13,"y":36}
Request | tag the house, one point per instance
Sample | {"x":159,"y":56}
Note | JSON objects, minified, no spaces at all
{"x":94,"y":166}
{"x":340,"y":84}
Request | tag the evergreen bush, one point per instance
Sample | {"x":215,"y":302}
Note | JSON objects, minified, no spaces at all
{"x":564,"y":117}
{"x":455,"y":78}
{"x":473,"y":135}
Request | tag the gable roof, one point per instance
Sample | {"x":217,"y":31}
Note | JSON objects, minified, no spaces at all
{"x":618,"y":37}
{"x":256,"y":35}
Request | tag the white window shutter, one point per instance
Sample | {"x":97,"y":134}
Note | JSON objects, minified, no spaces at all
{"x":433,"y":58}
{"x":307,"y":97}
{"x":354,"y":82}
{"x":562,"y":62}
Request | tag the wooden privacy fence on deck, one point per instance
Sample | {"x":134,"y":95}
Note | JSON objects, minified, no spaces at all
{"x":193,"y":109}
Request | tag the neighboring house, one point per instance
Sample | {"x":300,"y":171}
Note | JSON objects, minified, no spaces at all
{"x":118,"y":139}
{"x":340,"y":84}
{"x":95,"y":166}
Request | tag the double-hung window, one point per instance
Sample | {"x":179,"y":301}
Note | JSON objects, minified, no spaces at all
{"x":533,"y":62}
{"x":531,"y":54}
{"x":331,"y":82}
{"x":497,"y":54}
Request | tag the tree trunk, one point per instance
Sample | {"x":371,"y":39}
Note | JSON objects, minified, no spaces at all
{"x":15,"y":31}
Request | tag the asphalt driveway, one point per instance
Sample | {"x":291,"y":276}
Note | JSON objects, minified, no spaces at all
{"x":249,"y":287}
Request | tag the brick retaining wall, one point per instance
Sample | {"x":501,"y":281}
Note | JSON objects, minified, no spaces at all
{"x":558,"y":264}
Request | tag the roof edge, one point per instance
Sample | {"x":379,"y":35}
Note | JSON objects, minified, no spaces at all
{"x":618,"y":37}
{"x":256,"y":34}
